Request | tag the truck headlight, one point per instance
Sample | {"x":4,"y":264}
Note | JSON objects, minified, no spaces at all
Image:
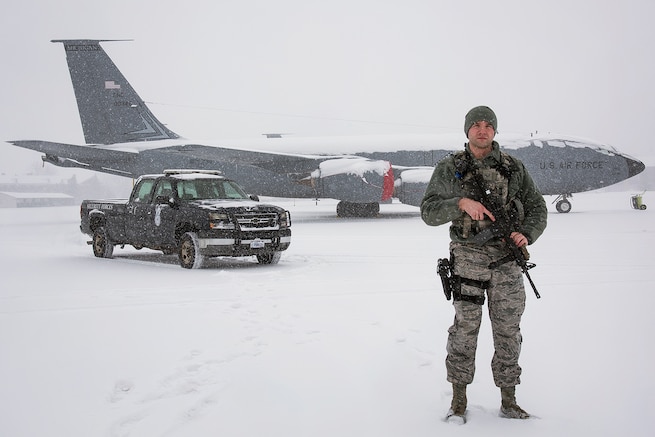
{"x":285,"y":220}
{"x":218,"y":220}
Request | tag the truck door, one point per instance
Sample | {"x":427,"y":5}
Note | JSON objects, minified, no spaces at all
{"x":163,"y":231}
{"x":140,"y":213}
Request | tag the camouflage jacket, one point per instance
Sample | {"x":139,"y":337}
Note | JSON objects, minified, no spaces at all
{"x":440,"y":202}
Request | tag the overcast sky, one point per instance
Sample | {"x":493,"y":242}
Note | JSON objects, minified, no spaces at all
{"x":225,"y":69}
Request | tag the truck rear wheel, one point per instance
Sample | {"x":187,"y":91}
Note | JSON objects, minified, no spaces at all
{"x":102,"y":247}
{"x":269,"y":258}
{"x":189,"y":253}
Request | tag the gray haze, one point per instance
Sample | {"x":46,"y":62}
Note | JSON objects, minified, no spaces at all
{"x":219,"y":69}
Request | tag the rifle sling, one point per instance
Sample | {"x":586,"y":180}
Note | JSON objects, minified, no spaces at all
{"x":500,"y":262}
{"x":482,"y":237}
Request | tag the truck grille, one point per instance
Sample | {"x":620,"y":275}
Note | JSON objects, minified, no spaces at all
{"x":257,"y":221}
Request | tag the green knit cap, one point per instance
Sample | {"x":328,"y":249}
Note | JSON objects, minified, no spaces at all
{"x":480,"y":113}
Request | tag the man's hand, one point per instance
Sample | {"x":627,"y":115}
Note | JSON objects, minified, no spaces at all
{"x":475,"y":209}
{"x":519,"y":239}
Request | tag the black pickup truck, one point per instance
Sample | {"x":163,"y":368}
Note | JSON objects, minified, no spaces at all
{"x":193,"y":213}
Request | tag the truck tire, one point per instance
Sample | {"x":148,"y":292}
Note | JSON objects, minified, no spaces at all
{"x":102,"y":247}
{"x":189,"y":252}
{"x":269,"y":258}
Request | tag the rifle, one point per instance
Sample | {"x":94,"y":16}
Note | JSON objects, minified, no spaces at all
{"x":502,"y":228}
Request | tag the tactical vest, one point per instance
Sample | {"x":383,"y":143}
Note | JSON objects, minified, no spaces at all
{"x":496,"y":178}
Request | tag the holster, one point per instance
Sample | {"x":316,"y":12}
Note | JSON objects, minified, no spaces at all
{"x":452,"y":284}
{"x":444,"y":269}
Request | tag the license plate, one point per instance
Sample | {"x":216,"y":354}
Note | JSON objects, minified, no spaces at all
{"x":257,"y":244}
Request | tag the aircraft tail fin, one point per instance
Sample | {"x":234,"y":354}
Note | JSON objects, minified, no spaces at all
{"x":110,"y":110}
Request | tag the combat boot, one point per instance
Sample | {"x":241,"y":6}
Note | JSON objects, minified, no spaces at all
{"x":457,"y":410}
{"x":508,"y":407}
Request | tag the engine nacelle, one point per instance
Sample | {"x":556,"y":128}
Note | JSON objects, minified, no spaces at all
{"x":411,"y":185}
{"x":354,"y":179}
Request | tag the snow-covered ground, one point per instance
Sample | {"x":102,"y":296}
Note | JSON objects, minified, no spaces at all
{"x":345,"y":337}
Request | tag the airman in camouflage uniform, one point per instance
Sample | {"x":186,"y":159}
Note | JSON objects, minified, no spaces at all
{"x":451,"y":197}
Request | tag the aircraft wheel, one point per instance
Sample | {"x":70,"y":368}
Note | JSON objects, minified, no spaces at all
{"x":269,"y":258}
{"x":102,"y":247}
{"x":189,"y":252}
{"x":351,"y":209}
{"x":563,"y":206}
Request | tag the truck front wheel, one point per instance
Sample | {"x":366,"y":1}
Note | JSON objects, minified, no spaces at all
{"x":189,"y":253}
{"x":269,"y":258}
{"x":102,"y":247}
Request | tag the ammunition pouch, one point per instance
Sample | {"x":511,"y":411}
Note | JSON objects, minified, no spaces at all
{"x":467,"y":227}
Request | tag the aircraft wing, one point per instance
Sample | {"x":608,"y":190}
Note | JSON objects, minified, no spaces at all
{"x":91,"y":158}
{"x":349,"y":178}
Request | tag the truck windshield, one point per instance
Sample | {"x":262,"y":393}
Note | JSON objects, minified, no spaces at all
{"x":209,"y":189}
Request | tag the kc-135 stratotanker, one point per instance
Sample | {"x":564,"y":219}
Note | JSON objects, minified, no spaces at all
{"x":124,"y":138}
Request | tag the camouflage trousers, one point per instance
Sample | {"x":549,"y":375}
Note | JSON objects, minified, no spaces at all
{"x":506,"y":302}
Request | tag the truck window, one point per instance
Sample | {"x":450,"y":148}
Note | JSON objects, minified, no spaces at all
{"x":232,"y":191}
{"x":187,"y":190}
{"x":164,"y":188}
{"x":143,"y":191}
{"x":209,"y":189}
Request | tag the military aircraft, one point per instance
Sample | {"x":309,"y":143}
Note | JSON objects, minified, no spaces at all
{"x":124,"y":138}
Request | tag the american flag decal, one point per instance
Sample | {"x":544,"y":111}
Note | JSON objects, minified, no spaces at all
{"x":111,"y":85}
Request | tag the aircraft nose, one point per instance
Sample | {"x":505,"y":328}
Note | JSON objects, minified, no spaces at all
{"x":634,"y":167}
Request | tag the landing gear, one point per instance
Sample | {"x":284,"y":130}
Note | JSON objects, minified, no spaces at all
{"x":563,"y":205}
{"x":637,"y":201}
{"x":350,"y":209}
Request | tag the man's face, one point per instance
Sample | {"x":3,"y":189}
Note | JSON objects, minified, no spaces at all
{"x":481,"y":135}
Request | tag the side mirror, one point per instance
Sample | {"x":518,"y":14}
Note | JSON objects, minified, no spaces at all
{"x":254,"y":197}
{"x":165,"y":200}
